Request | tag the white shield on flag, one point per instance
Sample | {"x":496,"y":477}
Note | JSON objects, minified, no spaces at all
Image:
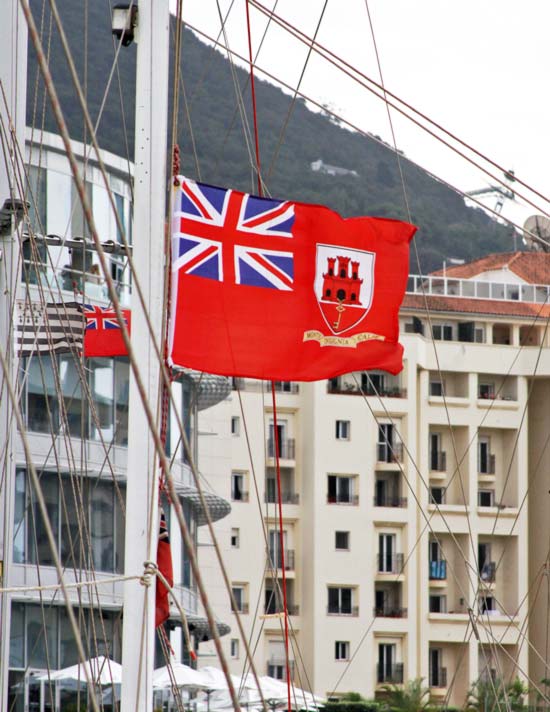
{"x":344,"y":285}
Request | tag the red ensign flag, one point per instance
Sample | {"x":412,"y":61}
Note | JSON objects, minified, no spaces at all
{"x":102,"y":332}
{"x":272,"y":289}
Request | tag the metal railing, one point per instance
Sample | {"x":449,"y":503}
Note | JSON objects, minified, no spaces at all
{"x":274,"y":666}
{"x":276,"y":559}
{"x":478,"y":289}
{"x":342,"y":499}
{"x":389,"y":500}
{"x":488,"y":467}
{"x":438,"y":677}
{"x":335,"y":387}
{"x":240,"y":608}
{"x":438,"y":461}
{"x":389,"y":612}
{"x":438,"y":570}
{"x":287,"y":497}
{"x":275,"y":607}
{"x":390,"y":563}
{"x":287,"y":448}
{"x":389,"y":452}
{"x":488,"y":572}
{"x":252,"y":385}
{"x":392,"y":674}
{"x":343,"y":611}
{"x":239,"y":496}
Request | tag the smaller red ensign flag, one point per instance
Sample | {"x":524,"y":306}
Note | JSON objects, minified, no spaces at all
{"x":102,"y":332}
{"x":164,"y":564}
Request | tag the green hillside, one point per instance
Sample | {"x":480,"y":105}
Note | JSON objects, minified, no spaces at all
{"x":447,"y":226}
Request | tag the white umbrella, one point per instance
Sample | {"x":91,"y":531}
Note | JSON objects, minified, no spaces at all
{"x":183,"y":676}
{"x":101,"y":671}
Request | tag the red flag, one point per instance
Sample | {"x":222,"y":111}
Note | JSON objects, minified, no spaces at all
{"x":164,"y":564}
{"x":103,"y":335}
{"x":279,"y":290}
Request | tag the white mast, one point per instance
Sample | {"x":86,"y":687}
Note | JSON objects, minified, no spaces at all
{"x":13,"y":72}
{"x":138,"y":641}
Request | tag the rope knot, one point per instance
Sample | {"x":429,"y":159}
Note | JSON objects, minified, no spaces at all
{"x":150,"y":570}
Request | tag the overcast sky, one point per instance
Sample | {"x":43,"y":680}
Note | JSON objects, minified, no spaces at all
{"x":479,"y":68}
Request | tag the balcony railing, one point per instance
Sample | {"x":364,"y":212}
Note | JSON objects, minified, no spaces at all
{"x":389,"y":500}
{"x":274,"y":607}
{"x":390,"y":564}
{"x":276,"y":559}
{"x":438,"y":461}
{"x":239,"y":496}
{"x":488,"y":466}
{"x":389,"y":612}
{"x":392,"y":674}
{"x":478,"y":289}
{"x":252,"y":385}
{"x":389,"y":452}
{"x":287,"y":497}
{"x":276,"y":666}
{"x":343,"y":499}
{"x":438,"y":677}
{"x":438,"y":570}
{"x":354,"y":389}
{"x":488,"y":572}
{"x":287,"y":450}
{"x":240,"y":607}
{"x":343,"y":611}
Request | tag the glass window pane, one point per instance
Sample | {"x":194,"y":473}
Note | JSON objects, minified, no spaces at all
{"x":37,"y":198}
{"x":19,"y":524}
{"x":468,"y":288}
{"x":527,"y":293}
{"x":102,"y":525}
{"x":482,"y":290}
{"x":122,"y":387}
{"x":17,"y":636}
{"x":42,"y":402}
{"x":102,"y":390}
{"x":39,"y":547}
{"x":119,"y":529}
{"x":73,"y":524}
{"x":67,"y":645}
{"x":41,"y":632}
{"x":497,"y":290}
{"x":71,"y":388}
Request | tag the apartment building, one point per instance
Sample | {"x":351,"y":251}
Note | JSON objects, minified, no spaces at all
{"x":414,"y":506}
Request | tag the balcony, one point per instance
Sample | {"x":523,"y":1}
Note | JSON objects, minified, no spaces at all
{"x":438,"y":570}
{"x":276,"y":559}
{"x":252,"y":385}
{"x":488,"y":572}
{"x":438,"y":461}
{"x":389,"y":452}
{"x":390,"y":564}
{"x":389,"y":612}
{"x":343,"y":498}
{"x":352,"y":611}
{"x":392,"y":674}
{"x":389,"y":500}
{"x":487,"y":465}
{"x":287,"y":450}
{"x":276,"y":668}
{"x":438,"y":677}
{"x":273,"y":608}
{"x":287,"y":497}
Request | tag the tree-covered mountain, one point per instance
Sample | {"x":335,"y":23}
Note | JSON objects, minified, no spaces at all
{"x":214,"y":147}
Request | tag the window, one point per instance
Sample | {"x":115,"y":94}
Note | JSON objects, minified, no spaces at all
{"x":342,"y":429}
{"x":341,"y":650}
{"x":387,"y":449}
{"x":388,"y":670}
{"x":438,"y":604}
{"x":437,"y":673}
{"x":238,"y":493}
{"x":239,"y":592}
{"x":437,"y":495}
{"x":486,"y":390}
{"x":341,"y":541}
{"x":487,"y":604}
{"x":234,"y":648}
{"x":386,"y":553}
{"x":340,"y":490}
{"x":437,"y":456}
{"x":235,"y":425}
{"x":340,"y":600}
{"x":485,"y":461}
{"x":37,"y":198}
{"x":235,"y":538}
{"x":79,"y":224}
{"x":486,"y":498}
{"x":373,"y":383}
{"x":436,"y":388}
{"x":442,"y":332}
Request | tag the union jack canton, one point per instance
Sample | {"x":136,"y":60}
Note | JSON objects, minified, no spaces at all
{"x":227,"y":236}
{"x":98,"y":318}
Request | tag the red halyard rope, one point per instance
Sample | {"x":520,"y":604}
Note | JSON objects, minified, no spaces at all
{"x":273,"y":397}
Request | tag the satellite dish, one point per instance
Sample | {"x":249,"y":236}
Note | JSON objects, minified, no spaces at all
{"x":536,"y":233}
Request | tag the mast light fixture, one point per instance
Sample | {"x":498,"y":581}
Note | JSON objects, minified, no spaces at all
{"x":123,"y":22}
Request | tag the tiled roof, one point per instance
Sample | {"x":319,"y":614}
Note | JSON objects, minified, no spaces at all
{"x":533,"y":267}
{"x":417,"y":302}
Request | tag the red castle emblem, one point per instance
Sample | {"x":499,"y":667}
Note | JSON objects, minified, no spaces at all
{"x":343,"y":285}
